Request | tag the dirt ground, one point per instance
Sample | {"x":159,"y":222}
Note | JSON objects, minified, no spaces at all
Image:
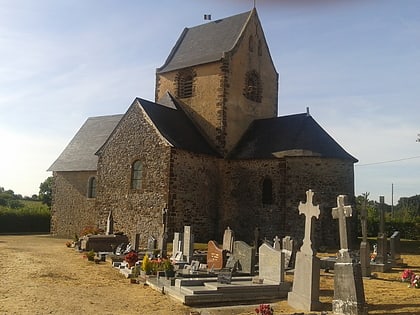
{"x":40,"y":275}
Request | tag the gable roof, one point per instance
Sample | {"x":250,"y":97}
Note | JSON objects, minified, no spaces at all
{"x":205,"y":43}
{"x":79,"y":155}
{"x":294,"y":135}
{"x":176,"y":127}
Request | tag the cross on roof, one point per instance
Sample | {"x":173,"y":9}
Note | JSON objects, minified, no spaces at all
{"x":341,"y":212}
{"x":309,"y":210}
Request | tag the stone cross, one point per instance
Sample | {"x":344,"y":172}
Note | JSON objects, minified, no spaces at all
{"x":309,"y":210}
{"x":341,"y":212}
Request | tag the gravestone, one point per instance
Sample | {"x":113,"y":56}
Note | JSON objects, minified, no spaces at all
{"x":231,"y":263}
{"x":110,"y":224}
{"x":395,"y":246}
{"x":178,"y":242}
{"x":276,"y":243}
{"x":349,"y":296}
{"x":382,"y":257}
{"x":381,"y":263}
{"x":256,"y":239}
{"x":136,"y":242}
{"x":271,"y":264}
{"x":228,"y":239}
{"x":288,"y":250}
{"x":188,"y":249}
{"x":102,"y":243}
{"x":245,"y":257}
{"x":305,"y":291}
{"x":151,"y":244}
{"x":216,"y":257}
{"x":364,"y":244}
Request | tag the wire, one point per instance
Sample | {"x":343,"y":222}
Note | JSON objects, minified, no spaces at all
{"x":390,"y":161}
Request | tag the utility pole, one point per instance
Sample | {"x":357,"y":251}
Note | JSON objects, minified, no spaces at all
{"x":392,"y":200}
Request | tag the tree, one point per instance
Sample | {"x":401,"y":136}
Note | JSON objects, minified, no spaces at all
{"x":45,"y":191}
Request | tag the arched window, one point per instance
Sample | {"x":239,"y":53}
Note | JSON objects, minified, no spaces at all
{"x":185,"y":85}
{"x":267,"y":191}
{"x":253,"y":89}
{"x":92,"y":187}
{"x":136,"y":175}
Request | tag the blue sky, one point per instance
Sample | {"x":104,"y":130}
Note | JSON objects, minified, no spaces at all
{"x":355,"y":64}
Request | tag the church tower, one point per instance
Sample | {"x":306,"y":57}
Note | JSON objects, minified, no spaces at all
{"x":223,"y":74}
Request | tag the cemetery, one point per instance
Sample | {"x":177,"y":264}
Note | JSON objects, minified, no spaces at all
{"x":268,"y":271}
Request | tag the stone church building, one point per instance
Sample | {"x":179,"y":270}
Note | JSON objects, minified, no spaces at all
{"x":210,"y":151}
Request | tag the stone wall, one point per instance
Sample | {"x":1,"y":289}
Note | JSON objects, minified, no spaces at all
{"x":71,"y":209}
{"x":327,"y":178}
{"x":134,"y":210}
{"x":242,"y":208}
{"x":194,"y":194}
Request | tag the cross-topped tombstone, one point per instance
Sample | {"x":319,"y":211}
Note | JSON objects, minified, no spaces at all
{"x":349,"y":296}
{"x":305,"y":292}
{"x":309,"y":210}
{"x":341,"y":212}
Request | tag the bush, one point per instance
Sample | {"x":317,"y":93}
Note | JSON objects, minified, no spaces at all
{"x":34,"y":218}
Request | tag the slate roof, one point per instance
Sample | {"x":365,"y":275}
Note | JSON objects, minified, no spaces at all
{"x":176,"y":127}
{"x":79,"y":155}
{"x":293,"y":135}
{"x":205,"y":43}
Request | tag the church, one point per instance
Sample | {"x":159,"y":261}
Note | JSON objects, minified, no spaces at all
{"x":210,"y":151}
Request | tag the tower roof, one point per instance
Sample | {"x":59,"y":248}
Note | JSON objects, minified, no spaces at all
{"x":205,"y":43}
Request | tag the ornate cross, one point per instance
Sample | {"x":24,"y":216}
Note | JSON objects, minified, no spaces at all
{"x":341,"y":212}
{"x":309,"y":210}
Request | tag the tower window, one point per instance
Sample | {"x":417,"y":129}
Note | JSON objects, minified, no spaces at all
{"x":91,"y":193}
{"x":252,"y":90}
{"x":136,"y":175}
{"x":185,"y":85}
{"x":267,"y":191}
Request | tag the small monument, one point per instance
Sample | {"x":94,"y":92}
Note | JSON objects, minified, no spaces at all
{"x":110,"y":224}
{"x":245,"y":257}
{"x":216,"y":257}
{"x":395,"y":246}
{"x":188,"y":251}
{"x":289,"y":251}
{"x":349,"y":295}
{"x":228,"y":240}
{"x":271,"y":264}
{"x":276,"y":243}
{"x":305,"y":292}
